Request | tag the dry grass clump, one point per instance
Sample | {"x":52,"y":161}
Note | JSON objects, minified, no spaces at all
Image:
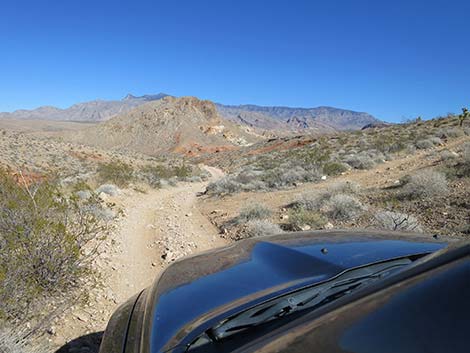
{"x":47,"y":243}
{"x":397,"y":221}
{"x":426,"y":183}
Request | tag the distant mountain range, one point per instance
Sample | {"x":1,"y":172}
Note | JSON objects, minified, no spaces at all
{"x":321,"y":119}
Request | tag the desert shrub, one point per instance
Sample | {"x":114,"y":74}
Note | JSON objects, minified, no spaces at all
{"x":302,"y":219}
{"x":115,"y":172}
{"x":194,"y":179}
{"x":397,"y":221}
{"x":47,"y":243}
{"x":360,"y":161}
{"x":108,"y":189}
{"x":448,"y":156}
{"x":424,"y":144}
{"x":16,"y":341}
{"x":426,"y":183}
{"x":345,"y":187}
{"x":288,"y":175}
{"x":312,"y":201}
{"x":450,"y":132}
{"x":343,"y":207}
{"x":279,"y":177}
{"x":226,"y":185}
{"x":463,"y":167}
{"x":428,"y":142}
{"x":259,"y":228}
{"x":154,"y":174}
{"x":253,"y":212}
{"x":334,"y":168}
{"x":182,"y":171}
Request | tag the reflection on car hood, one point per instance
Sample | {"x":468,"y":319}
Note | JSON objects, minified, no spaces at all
{"x":201,"y":288}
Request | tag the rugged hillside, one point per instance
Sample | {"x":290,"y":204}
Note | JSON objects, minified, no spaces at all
{"x":97,"y":110}
{"x":185,"y":125}
{"x":324,"y":119}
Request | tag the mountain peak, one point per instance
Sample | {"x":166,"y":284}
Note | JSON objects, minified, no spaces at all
{"x":145,"y":97}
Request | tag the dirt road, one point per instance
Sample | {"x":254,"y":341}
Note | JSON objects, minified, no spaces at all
{"x":156,"y":228}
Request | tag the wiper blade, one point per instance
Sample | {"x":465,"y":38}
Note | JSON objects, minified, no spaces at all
{"x":307,"y":298}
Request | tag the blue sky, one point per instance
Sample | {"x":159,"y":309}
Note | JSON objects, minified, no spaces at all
{"x":394,"y":59}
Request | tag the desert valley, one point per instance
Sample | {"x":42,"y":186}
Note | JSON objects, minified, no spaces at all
{"x":111,"y":192}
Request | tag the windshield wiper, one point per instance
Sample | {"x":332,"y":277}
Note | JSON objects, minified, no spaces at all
{"x":307,"y":298}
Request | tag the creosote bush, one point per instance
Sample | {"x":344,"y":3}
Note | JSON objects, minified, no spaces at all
{"x":299,"y":219}
{"x":47,"y":243}
{"x":115,"y":172}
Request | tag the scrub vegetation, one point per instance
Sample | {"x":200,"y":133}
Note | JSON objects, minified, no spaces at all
{"x":48,"y":241}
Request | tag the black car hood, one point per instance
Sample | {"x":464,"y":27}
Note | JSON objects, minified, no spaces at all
{"x":194,"y":293}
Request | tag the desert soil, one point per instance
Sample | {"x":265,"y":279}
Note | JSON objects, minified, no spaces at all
{"x":155,"y":229}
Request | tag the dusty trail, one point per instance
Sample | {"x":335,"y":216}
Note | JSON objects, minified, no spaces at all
{"x":159,"y":227}
{"x":156,"y":228}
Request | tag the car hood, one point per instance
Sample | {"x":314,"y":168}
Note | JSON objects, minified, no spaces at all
{"x":194,"y":293}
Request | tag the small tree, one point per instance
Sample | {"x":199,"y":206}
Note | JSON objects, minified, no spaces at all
{"x":465,"y":115}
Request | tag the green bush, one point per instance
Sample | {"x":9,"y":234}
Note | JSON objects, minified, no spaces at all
{"x":300,"y":218}
{"x":115,"y":172}
{"x":44,"y":236}
{"x":153,"y":174}
{"x":334,"y":168}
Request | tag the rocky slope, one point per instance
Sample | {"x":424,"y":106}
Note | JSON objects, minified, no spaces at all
{"x":185,"y":125}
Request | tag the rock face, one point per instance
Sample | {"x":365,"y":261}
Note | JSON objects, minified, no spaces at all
{"x":184,"y":125}
{"x":323,"y":119}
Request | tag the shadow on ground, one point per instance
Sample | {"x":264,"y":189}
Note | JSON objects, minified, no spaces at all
{"x":85,"y":344}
